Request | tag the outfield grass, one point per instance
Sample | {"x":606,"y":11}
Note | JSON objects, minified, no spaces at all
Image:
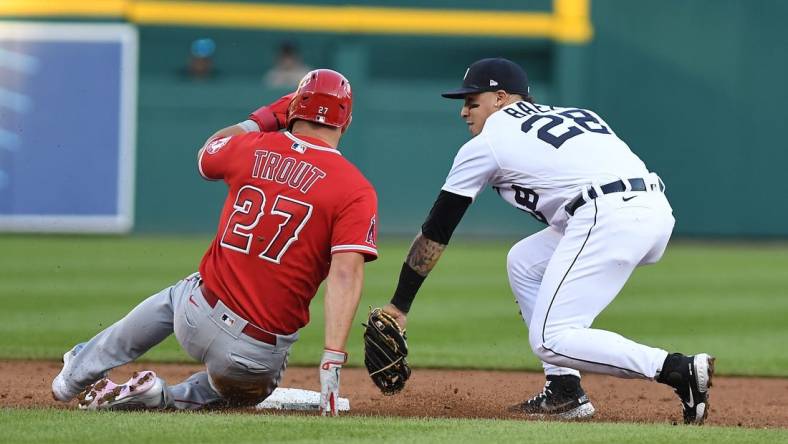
{"x":726,"y":299}
{"x":57,"y":426}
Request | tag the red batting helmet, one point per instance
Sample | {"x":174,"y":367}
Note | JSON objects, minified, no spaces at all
{"x":323,"y":97}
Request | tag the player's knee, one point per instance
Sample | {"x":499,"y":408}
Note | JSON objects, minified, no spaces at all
{"x":536,"y":341}
{"x":543,"y":342}
{"x":541,"y":351}
{"x":241,"y":393}
{"x":519,"y":263}
{"x":511,"y":259}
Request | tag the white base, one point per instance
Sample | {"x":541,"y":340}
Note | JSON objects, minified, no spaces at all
{"x":298,"y":399}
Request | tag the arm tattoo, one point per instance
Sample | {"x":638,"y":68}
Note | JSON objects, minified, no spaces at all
{"x":424,"y":254}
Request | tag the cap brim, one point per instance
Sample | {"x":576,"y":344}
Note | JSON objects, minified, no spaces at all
{"x":460,"y":93}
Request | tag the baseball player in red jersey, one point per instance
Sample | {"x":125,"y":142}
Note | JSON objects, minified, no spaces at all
{"x":296,"y":213}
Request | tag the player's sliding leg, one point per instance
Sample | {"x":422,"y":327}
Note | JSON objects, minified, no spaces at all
{"x":194,"y":393}
{"x":198,"y":392}
{"x":562,"y":395}
{"x":240,"y":370}
{"x":235,"y":380}
{"x":145,"y":326}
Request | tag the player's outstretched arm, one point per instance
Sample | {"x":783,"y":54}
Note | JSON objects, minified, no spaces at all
{"x":426,"y":249}
{"x":422,"y":257}
{"x":424,"y":254}
{"x":385,"y":346}
{"x":343,"y":293}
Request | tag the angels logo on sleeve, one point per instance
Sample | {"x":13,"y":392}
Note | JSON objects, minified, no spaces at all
{"x":371,"y":234}
{"x":216,"y":145}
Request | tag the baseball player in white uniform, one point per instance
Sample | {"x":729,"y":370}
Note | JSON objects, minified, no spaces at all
{"x":606,"y":214}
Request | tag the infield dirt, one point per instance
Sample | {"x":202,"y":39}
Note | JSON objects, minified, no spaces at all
{"x":735,"y":401}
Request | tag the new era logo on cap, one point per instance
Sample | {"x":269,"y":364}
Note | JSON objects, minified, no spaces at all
{"x":491,"y":75}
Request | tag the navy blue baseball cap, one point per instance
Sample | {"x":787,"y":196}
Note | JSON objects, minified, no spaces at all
{"x":491,"y":75}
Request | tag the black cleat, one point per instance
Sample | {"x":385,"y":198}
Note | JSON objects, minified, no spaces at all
{"x":562,"y":398}
{"x":690,"y":377}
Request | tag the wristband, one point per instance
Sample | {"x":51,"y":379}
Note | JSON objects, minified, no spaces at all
{"x":335,"y":357}
{"x":407,"y":287}
{"x":250,"y":126}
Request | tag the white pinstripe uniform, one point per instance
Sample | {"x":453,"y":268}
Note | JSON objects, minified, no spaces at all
{"x":539,"y":158}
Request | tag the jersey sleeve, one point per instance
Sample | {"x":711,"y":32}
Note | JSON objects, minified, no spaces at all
{"x":215,"y":159}
{"x":356,"y":225}
{"x":473,"y":167}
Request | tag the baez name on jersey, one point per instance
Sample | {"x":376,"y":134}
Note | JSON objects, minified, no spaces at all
{"x":526,"y":109}
{"x":296,"y":174}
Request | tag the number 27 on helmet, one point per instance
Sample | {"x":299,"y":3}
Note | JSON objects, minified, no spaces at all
{"x":323,"y":97}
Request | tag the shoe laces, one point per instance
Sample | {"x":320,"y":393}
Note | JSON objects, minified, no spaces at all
{"x":542,"y":395}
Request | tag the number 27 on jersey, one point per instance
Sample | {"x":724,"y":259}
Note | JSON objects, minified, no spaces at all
{"x":249,"y":210}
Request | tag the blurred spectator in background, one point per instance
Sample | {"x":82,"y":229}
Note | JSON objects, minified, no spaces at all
{"x":200,"y":65}
{"x":288,"y":68}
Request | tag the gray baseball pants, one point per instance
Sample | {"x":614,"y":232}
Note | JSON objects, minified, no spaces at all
{"x":240,"y":370}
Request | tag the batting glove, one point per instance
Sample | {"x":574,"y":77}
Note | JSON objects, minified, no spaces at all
{"x":272,"y":117}
{"x":330,"y":366}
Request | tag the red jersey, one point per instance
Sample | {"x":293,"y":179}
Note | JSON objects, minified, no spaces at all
{"x":291,"y":203}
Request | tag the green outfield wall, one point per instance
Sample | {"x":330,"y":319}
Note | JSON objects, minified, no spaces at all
{"x":696,"y":88}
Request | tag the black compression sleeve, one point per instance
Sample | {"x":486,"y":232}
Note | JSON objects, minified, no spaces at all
{"x":407,"y":287}
{"x":446,"y":213}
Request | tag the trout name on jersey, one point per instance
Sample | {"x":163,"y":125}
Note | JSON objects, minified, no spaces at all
{"x":297,"y":174}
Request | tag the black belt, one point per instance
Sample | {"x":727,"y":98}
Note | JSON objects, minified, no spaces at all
{"x":613,"y":187}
